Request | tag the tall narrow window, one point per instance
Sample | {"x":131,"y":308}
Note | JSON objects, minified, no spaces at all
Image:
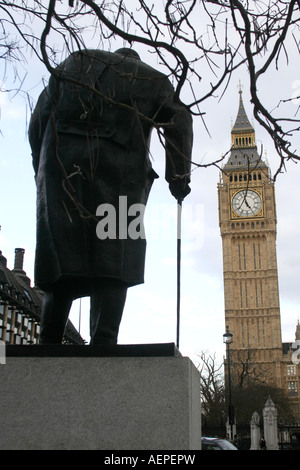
{"x":291,"y":370}
{"x":261,"y":294}
{"x":246,"y":295}
{"x":256,"y":294}
{"x":292,"y":389}
{"x":248,"y":333}
{"x":241,"y":295}
{"x":263,"y":332}
{"x":254,"y":256}
{"x":259,"y":257}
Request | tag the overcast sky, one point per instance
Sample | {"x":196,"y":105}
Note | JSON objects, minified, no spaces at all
{"x":150,"y":312}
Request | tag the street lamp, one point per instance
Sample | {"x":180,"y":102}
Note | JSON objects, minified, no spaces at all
{"x":227,"y":339}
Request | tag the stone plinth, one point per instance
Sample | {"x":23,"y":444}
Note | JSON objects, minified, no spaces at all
{"x":87,"y":397}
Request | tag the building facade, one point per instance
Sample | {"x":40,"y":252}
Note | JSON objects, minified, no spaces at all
{"x":20,"y":306}
{"x":247,"y":219}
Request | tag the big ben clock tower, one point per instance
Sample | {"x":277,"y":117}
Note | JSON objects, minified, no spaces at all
{"x":247,"y":216}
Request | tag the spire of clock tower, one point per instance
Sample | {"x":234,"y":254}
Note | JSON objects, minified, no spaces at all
{"x":297,"y":336}
{"x":243,"y":147}
{"x":242,"y":122}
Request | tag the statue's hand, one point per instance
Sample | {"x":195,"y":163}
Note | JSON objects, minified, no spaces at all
{"x":179,"y":188}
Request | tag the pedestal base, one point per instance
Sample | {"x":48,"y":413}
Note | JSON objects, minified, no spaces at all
{"x":90,"y":399}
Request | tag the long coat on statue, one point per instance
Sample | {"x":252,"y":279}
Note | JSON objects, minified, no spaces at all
{"x":90,"y":145}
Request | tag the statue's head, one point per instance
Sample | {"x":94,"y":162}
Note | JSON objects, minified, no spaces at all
{"x":127,"y":52}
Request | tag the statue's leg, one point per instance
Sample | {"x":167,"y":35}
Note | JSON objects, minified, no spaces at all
{"x":107,"y":305}
{"x":55,"y":312}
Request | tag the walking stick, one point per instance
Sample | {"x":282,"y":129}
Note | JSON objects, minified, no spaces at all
{"x":179,"y":209}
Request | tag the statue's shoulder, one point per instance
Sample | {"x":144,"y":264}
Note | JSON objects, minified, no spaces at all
{"x":85,"y":56}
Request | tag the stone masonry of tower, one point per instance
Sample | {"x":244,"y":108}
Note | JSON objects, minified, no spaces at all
{"x":247,"y":219}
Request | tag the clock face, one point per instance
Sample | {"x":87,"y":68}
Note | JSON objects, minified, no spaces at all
{"x":246,"y":203}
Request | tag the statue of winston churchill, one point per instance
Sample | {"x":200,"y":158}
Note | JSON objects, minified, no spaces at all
{"x":89,"y":134}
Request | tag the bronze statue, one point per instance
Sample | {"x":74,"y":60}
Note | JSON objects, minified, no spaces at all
{"x":89,"y":135}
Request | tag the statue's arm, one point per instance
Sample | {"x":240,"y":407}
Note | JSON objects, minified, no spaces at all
{"x":178,"y":133}
{"x":37,"y":126}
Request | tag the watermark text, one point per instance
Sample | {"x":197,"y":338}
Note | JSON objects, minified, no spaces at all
{"x":296,"y":353}
{"x":162,"y":221}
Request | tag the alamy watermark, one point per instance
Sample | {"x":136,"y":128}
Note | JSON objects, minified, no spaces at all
{"x":161,"y":221}
{"x":296,"y":353}
{"x":115,"y":222}
{"x":2,"y":353}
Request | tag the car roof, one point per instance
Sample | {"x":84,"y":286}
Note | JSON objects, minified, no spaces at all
{"x":212,"y":438}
